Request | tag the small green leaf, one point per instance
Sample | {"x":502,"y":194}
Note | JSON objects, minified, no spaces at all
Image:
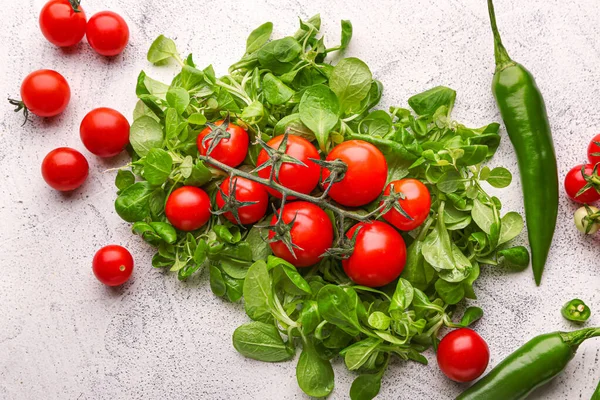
{"x":124,"y":179}
{"x":157,"y":166}
{"x":365,"y":387}
{"x":178,"y":98}
{"x":261,"y":341}
{"x":512,"y":225}
{"x":259,"y":37}
{"x":276,"y":92}
{"x":350,"y":81}
{"x":428,"y":102}
{"x":471,"y":315}
{"x":197,"y":119}
{"x":132,"y":203}
{"x":314,"y":374}
{"x":319,"y":111}
{"x":451,"y":293}
{"x":161,"y":50}
{"x":165,"y":231}
{"x":379,"y":320}
{"x":217,"y":284}
{"x":499,"y":177}
{"x":145,"y":134}
{"x":258,"y":292}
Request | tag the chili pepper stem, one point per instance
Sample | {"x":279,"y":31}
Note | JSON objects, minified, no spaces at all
{"x":503,"y":60}
{"x":575,"y":338}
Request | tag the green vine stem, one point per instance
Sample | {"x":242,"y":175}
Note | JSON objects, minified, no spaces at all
{"x":320,"y":201}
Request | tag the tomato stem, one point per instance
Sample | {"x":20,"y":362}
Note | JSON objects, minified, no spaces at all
{"x":75,"y":5}
{"x":19,"y":105}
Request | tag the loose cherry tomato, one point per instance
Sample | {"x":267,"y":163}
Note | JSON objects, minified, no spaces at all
{"x":65,"y":169}
{"x":113,"y":265}
{"x":188,"y":208}
{"x":45,"y":93}
{"x":230,"y":151}
{"x":311,"y":232}
{"x":62,"y":23}
{"x":463,"y":355}
{"x":300,"y":178}
{"x":415,"y":202}
{"x":379,"y":254}
{"x":594,"y":150}
{"x":107,"y":33}
{"x":365,"y":176}
{"x":574,"y":182}
{"x":104,"y":132}
{"x":245,"y":191}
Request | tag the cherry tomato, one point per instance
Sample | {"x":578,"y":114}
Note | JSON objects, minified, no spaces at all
{"x":45,"y":93}
{"x":61,"y":24}
{"x":365,"y":177}
{"x":230,"y":151}
{"x":300,"y":178}
{"x":379,"y":254}
{"x":245,"y":190}
{"x":594,"y":150}
{"x":463,"y":355}
{"x":416,"y":203}
{"x":107,"y":33}
{"x":188,"y":208}
{"x":574,"y":182}
{"x":113,"y":265}
{"x":104,"y":132}
{"x":312,"y":232}
{"x":65,"y":169}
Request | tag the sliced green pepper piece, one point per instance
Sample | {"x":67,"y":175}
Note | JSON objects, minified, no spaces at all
{"x":576,"y":310}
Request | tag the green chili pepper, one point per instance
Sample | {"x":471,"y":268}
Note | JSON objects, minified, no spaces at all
{"x":524,"y":113}
{"x":596,"y":395}
{"x":576,"y":310}
{"x":531,"y":366}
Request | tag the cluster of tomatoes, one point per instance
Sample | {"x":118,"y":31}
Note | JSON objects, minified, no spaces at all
{"x":379,"y":251}
{"x":582,"y":185}
{"x":104,"y":131}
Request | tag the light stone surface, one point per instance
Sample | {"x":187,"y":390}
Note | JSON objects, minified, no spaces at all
{"x":65,"y":336}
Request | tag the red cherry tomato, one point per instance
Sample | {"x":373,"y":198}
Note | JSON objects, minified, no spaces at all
{"x":61,"y":24}
{"x":65,"y":169}
{"x":188,"y":208}
{"x":45,"y":93}
{"x":312,"y":232}
{"x":300,"y":178}
{"x":230,"y":151}
{"x":245,"y":191}
{"x":574,"y":182}
{"x":365,"y":177}
{"x":379,"y":254}
{"x":594,"y":150}
{"x":107,"y":33}
{"x":104,"y":132}
{"x":113,"y":265}
{"x":416,"y":203}
{"x":463,"y":355}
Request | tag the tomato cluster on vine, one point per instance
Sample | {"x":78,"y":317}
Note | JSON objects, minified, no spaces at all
{"x":289,"y":168}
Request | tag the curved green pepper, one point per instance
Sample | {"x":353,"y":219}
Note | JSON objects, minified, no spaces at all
{"x":524,"y":113}
{"x":531,"y":366}
{"x":576,"y":310}
{"x":596,"y":395}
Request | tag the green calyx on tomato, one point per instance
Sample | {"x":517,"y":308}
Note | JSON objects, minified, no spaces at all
{"x":587,"y":219}
{"x":576,"y":310}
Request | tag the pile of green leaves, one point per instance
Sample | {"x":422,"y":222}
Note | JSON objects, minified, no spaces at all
{"x":286,"y":86}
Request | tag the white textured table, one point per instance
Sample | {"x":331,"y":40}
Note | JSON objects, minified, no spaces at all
{"x":65,"y":336}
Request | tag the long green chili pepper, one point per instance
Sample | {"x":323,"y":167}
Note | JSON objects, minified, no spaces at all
{"x":534,"y":364}
{"x":596,"y":395}
{"x":524,"y":113}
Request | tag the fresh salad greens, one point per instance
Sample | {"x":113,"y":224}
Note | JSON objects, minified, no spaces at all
{"x":287,"y":86}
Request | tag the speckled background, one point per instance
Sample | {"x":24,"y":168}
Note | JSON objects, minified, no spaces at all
{"x":65,"y":336}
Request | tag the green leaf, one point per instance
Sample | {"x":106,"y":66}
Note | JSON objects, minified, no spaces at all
{"x":279,"y":55}
{"x":156,"y":202}
{"x":161,"y":50}
{"x":276,"y":92}
{"x":336,"y":307}
{"x":165,"y":231}
{"x":314,"y":374}
{"x":217,"y":284}
{"x":516,"y":257}
{"x":346,"y":34}
{"x":157,"y":166}
{"x":403,"y":296}
{"x":356,"y":355}
{"x":197,"y":119}
{"x":379,"y":321}
{"x":124,"y":179}
{"x":148,"y":86}
{"x":260,"y":248}
{"x":512,"y":225}
{"x":201,"y":252}
{"x":292,"y":124}
{"x":471,"y":315}
{"x":377,"y":123}
{"x":234,"y":288}
{"x":228,"y":235}
{"x":350,"y":81}
{"x":259,"y":37}
{"x":319,"y":111}
{"x":141,"y":110}
{"x":262,"y":342}
{"x":253,"y":112}
{"x":418,"y":272}
{"x":178,"y":98}
{"x":483,"y":215}
{"x":451,"y":293}
{"x":290,"y":271}
{"x":132,"y":203}
{"x":309,"y":317}
{"x":365,"y":387}
{"x":145,"y":134}
{"x":437,"y":248}
{"x":428,"y":102}
{"x":258,"y":292}
{"x":199,"y":176}
{"x":450,"y":182}
{"x":499,"y":177}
